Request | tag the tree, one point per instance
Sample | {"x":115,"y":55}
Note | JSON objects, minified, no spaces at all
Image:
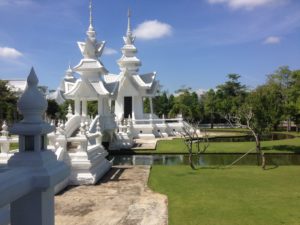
{"x":161,"y":104}
{"x":191,"y":137}
{"x":294,"y":97}
{"x":230,"y":95}
{"x":187,"y":104}
{"x":52,"y":109}
{"x":8,"y":103}
{"x":258,"y":115}
{"x":282,"y":80}
{"x":210,"y":107}
{"x":92,"y":107}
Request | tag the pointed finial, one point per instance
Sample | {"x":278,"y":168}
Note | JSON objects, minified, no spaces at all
{"x":32,"y":79}
{"x":129,"y":12}
{"x":129,"y":22}
{"x":69,"y":68}
{"x":91,"y":14}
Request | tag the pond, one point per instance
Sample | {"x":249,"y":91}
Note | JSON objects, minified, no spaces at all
{"x":268,"y":137}
{"x":205,"y":159}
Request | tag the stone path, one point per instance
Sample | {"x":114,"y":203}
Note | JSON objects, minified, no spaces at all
{"x":148,"y":144}
{"x":122,"y":197}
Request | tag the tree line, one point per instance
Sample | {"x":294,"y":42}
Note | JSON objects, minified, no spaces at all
{"x":277,"y":100}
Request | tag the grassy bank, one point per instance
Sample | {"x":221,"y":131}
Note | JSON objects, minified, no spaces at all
{"x":279,"y":146}
{"x":241,"y":195}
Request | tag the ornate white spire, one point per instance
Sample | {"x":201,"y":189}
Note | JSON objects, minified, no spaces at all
{"x":129,"y":39}
{"x":129,"y":62}
{"x":129,"y":23}
{"x":91,"y":16}
{"x":91,"y":33}
{"x":69,"y":73}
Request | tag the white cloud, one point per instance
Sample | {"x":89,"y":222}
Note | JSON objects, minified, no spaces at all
{"x":246,"y":4}
{"x":9,"y":53}
{"x":110,"y":51}
{"x":152,"y":29}
{"x":16,"y":2}
{"x":272,"y":40}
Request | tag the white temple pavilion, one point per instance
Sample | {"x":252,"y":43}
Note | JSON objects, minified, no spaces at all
{"x":80,"y":140}
{"x":120,"y":97}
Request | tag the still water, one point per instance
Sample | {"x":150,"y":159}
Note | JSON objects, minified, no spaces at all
{"x":268,"y":137}
{"x":205,"y":159}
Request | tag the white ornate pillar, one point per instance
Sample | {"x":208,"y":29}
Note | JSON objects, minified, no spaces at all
{"x":77,"y":106}
{"x":36,"y":205}
{"x":151,"y":110}
{"x":84,"y":107}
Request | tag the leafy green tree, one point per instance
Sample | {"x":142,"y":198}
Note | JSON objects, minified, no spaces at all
{"x":188,"y":104}
{"x":161,"y":104}
{"x":260,"y":113}
{"x":8,"y":103}
{"x":63,"y":109}
{"x":210,"y":106}
{"x":52,"y":109}
{"x":92,"y":108}
{"x":294,"y":97}
{"x":230,"y":95}
{"x":282,"y":79}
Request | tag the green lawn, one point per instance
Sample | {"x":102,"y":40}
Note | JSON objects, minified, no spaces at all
{"x":244,"y":195}
{"x":178,"y":146}
{"x":278,"y":146}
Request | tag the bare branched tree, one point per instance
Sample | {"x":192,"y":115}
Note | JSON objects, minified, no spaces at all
{"x":191,"y":136}
{"x":245,"y":119}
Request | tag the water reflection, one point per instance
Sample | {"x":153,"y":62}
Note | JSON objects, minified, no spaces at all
{"x":205,"y":159}
{"x":246,"y":138}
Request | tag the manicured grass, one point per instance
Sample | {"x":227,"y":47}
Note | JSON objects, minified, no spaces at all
{"x":14,"y":146}
{"x":177,"y":145}
{"x":244,"y":195}
{"x":278,"y":146}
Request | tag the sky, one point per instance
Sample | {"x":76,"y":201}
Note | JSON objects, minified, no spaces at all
{"x":195,"y":43}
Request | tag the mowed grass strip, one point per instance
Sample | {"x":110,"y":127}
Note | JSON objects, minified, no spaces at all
{"x":278,"y":146}
{"x":244,"y":195}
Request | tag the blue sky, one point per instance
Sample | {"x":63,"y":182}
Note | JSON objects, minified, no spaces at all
{"x":188,"y":42}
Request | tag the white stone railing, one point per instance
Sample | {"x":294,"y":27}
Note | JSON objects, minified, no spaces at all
{"x":25,"y":187}
{"x":5,"y":143}
{"x":72,"y":124}
{"x":157,"y":121}
{"x":6,"y":140}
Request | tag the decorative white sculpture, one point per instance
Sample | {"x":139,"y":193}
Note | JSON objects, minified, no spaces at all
{"x":28,"y":186}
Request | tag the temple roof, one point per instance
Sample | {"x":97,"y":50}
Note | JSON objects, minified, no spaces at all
{"x":100,"y":88}
{"x":90,"y":65}
{"x":57,"y":96}
{"x":144,"y":81}
{"x":84,"y":89}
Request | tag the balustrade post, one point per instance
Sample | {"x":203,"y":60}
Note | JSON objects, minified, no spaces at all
{"x":4,"y":139}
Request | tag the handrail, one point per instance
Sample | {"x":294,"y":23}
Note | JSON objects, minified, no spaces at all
{"x":9,"y":183}
{"x":93,"y":124}
{"x":72,"y":124}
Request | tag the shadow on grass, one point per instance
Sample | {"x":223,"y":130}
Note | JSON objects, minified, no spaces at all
{"x":291,"y":148}
{"x":271,"y":167}
{"x":213,"y":168}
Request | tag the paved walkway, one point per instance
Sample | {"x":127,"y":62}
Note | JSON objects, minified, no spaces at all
{"x":121,"y":198}
{"x":149,"y":144}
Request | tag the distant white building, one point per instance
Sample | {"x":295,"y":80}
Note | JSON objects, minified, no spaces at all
{"x":18,"y":86}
